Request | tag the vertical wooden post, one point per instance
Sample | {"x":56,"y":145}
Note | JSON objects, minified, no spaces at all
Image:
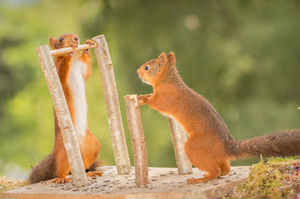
{"x":63,"y":116}
{"x":137,"y":139}
{"x":179,"y":138}
{"x":112,"y":105}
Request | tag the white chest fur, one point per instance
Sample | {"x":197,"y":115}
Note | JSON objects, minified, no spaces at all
{"x":77,"y":84}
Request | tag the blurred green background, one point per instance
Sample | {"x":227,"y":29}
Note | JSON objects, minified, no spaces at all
{"x":242,"y":55}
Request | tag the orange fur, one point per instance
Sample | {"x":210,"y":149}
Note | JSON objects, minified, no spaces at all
{"x":73,"y":70}
{"x":172,"y":97}
{"x":209,"y":146}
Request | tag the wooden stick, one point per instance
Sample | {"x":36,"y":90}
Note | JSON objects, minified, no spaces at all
{"x":63,"y":116}
{"x":137,"y":140}
{"x":112,"y":106}
{"x":179,"y":138}
{"x":69,"y":49}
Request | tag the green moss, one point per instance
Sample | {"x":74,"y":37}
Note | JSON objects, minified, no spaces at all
{"x":8,"y":183}
{"x":276,"y":178}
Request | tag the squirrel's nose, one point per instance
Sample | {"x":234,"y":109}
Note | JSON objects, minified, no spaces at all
{"x":76,"y":40}
{"x":138,"y":73}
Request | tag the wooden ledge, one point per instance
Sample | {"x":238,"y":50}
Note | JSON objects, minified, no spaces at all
{"x":164,"y":183}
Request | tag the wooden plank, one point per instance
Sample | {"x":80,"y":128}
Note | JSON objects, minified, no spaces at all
{"x":164,"y":183}
{"x":137,"y":139}
{"x":63,"y":116}
{"x":112,"y":105}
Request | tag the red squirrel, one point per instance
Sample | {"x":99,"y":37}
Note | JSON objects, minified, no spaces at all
{"x":73,"y":70}
{"x":209,"y":146}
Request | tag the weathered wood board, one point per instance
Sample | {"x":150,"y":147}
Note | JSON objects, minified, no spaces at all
{"x":164,"y":183}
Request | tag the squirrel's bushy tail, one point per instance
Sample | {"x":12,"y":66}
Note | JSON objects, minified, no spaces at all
{"x":284,"y":143}
{"x":45,"y":170}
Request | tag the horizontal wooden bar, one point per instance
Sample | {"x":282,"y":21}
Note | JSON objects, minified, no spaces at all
{"x":69,"y":49}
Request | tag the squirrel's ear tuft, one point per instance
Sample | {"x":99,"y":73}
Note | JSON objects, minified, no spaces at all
{"x":52,"y":42}
{"x":171,"y":59}
{"x":162,"y":59}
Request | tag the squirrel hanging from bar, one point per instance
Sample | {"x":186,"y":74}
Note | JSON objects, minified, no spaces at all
{"x":73,"y":70}
{"x":209,"y":146}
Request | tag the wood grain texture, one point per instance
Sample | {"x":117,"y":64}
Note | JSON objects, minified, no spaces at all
{"x":137,"y":139}
{"x":179,"y":138}
{"x":63,"y":116}
{"x":164,"y":183}
{"x":69,"y":49}
{"x":112,"y":105}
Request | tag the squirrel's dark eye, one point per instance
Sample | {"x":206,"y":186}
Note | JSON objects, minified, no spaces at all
{"x":76,"y":38}
{"x":61,"y":39}
{"x":146,"y":67}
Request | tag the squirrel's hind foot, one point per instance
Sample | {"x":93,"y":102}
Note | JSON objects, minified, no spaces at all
{"x":194,"y":180}
{"x":94,"y":173}
{"x":61,"y":180}
{"x":204,"y":179}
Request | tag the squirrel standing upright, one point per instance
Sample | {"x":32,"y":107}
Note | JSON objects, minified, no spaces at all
{"x":209,"y":146}
{"x":73,"y":70}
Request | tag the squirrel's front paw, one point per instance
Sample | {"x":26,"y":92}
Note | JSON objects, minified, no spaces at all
{"x":73,"y":45}
{"x":149,"y":95}
{"x":90,"y":43}
{"x":143,"y":99}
